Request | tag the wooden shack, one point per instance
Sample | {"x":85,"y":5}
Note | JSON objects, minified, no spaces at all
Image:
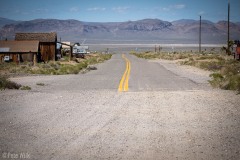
{"x":19,"y":51}
{"x":47,"y":43}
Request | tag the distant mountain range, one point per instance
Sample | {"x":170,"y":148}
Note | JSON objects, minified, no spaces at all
{"x":4,"y":21}
{"x":141,"y":31}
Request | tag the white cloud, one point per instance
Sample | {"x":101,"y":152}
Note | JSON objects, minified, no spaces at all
{"x":74,"y":9}
{"x":20,"y":12}
{"x":172,"y":7}
{"x":165,"y":9}
{"x":120,"y":9}
{"x":201,"y":13}
{"x":40,"y":10}
{"x":179,"y":6}
{"x":96,"y":9}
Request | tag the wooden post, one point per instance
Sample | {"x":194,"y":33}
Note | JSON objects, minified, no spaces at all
{"x":34,"y":59}
{"x":18,"y":59}
{"x":70,"y":54}
{"x":228,"y":44}
{"x":200,"y":34}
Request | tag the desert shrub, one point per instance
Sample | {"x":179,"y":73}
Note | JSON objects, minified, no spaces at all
{"x":191,"y":62}
{"x":191,"y":59}
{"x":211,"y":66}
{"x":201,"y":58}
{"x":7,"y":84}
{"x":67,"y":69}
{"x":56,"y":65}
{"x":82,"y":65}
{"x":143,"y":55}
{"x":106,"y":56}
{"x":217,"y":79}
{"x":167,"y":56}
{"x":23,"y":67}
{"x":7,"y":66}
{"x":219,"y":58}
{"x":232,"y":83}
{"x":181,"y":56}
{"x":45,"y":66}
{"x":229,"y":70}
{"x":92,"y":60}
{"x":225,"y":82}
{"x":40,"y":84}
{"x":25,"y":88}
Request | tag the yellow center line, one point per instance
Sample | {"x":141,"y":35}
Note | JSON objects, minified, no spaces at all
{"x":123,"y":85}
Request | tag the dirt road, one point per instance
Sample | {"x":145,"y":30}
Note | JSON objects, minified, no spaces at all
{"x":169,"y":112}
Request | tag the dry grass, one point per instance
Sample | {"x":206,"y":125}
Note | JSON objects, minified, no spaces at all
{"x":54,"y":68}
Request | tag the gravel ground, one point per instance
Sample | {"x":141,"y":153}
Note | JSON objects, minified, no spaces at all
{"x":63,"y":121}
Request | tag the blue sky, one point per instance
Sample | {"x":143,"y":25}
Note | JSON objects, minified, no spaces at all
{"x":119,"y":10}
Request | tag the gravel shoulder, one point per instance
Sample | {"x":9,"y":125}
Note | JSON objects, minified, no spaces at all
{"x":195,"y":74}
{"x":72,"y":117}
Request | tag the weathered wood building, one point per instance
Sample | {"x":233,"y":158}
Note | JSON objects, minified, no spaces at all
{"x":18,"y":51}
{"x":47,"y":44}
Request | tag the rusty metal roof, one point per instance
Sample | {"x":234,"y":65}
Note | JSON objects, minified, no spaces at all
{"x":41,"y":37}
{"x":19,"y":46}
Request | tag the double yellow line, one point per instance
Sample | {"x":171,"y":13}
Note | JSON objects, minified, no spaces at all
{"x":123,"y":86}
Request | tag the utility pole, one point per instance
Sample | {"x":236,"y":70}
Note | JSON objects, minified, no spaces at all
{"x":228,"y":44}
{"x":200,"y":34}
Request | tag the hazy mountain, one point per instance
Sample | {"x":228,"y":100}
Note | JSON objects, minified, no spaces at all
{"x":222,"y":25}
{"x":144,"y":25}
{"x":184,"y":22}
{"x":146,"y":30}
{"x":4,"y":21}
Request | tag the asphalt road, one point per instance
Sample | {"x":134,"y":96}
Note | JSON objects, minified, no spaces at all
{"x":147,"y":76}
{"x":163,"y":115}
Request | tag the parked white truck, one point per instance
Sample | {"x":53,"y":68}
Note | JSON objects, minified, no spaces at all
{"x":80,"y":50}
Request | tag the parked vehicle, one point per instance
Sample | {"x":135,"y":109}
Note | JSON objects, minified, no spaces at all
{"x":6,"y":59}
{"x":236,"y":50}
{"x":80,"y":51}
